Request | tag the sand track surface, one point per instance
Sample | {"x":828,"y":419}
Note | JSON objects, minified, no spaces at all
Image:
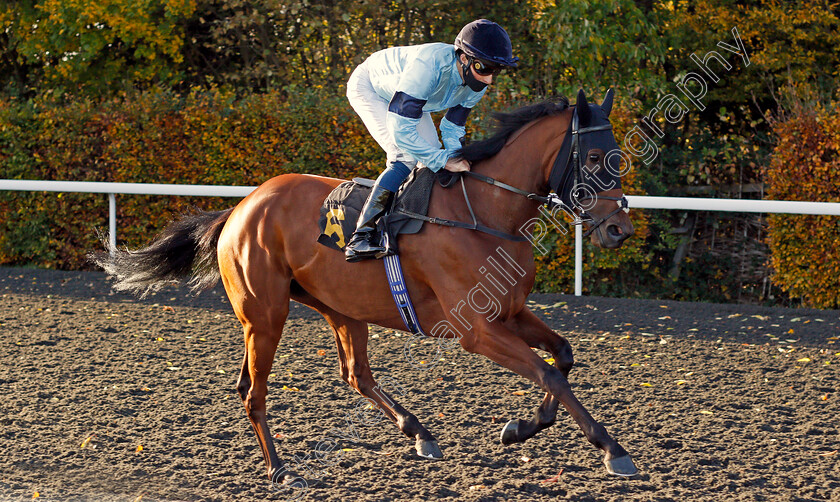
{"x":108,"y":398}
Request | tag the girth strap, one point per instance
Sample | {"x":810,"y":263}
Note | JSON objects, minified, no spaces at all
{"x":396,"y":281}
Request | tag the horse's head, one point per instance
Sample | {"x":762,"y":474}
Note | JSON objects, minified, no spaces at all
{"x":591,"y":182}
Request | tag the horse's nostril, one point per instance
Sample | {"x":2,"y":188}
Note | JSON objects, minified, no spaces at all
{"x":614,"y":231}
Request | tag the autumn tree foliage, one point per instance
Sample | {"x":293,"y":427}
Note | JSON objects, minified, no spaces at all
{"x":235,"y":91}
{"x":91,"y":46}
{"x":806,"y":166}
{"x":204,"y":138}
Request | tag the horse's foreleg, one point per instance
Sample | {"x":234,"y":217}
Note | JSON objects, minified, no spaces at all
{"x":537,"y":335}
{"x":501,"y":345}
{"x":351,"y":338}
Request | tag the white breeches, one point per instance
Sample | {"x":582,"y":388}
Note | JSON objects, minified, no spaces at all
{"x":373,"y":109}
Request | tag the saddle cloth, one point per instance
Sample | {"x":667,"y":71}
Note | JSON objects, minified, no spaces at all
{"x":342,"y":206}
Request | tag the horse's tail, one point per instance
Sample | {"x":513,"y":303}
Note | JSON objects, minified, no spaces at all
{"x":185,"y":248}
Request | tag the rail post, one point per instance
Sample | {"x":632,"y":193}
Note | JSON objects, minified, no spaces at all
{"x":112,"y":221}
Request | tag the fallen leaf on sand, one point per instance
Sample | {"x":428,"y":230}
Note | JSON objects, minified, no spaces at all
{"x":519,"y":392}
{"x":87,"y":441}
{"x":553,"y":479}
{"x":828,"y":454}
{"x":322,"y":352}
{"x":139,"y":448}
{"x":706,"y":412}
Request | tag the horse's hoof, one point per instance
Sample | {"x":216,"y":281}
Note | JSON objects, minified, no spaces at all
{"x":510,"y":432}
{"x":428,"y":449}
{"x":286,"y":477}
{"x":621,"y":466}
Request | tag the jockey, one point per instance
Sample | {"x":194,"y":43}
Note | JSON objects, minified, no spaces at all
{"x":394,"y":90}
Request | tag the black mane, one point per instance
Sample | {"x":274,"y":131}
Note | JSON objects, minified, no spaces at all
{"x":508,"y":123}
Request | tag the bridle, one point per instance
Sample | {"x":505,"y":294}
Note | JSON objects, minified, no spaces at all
{"x":577,"y":163}
{"x":559,"y":178}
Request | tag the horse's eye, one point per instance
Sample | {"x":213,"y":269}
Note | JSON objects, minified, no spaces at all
{"x":594,"y":157}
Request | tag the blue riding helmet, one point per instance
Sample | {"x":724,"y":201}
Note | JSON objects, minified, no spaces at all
{"x":486,"y":40}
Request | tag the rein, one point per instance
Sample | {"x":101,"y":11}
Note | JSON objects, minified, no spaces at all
{"x":475,"y":225}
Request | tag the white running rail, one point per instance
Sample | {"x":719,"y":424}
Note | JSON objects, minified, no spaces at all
{"x":123,"y":188}
{"x":635,"y":201}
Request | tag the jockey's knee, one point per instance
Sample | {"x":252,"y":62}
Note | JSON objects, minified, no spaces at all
{"x":393,"y":176}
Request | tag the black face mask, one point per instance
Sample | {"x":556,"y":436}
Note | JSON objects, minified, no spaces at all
{"x":469,"y":79}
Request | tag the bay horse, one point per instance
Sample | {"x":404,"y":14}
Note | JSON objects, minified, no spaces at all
{"x":266,"y":253}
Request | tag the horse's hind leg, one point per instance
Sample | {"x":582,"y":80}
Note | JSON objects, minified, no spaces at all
{"x":261,"y":302}
{"x":537,"y":335}
{"x":262,"y":335}
{"x":351,"y":337}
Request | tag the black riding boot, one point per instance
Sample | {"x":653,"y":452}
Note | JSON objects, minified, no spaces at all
{"x":362,"y":245}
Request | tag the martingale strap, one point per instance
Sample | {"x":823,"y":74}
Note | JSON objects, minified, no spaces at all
{"x":396,"y":281}
{"x":469,"y":226}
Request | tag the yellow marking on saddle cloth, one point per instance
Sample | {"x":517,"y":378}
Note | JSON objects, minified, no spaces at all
{"x":333,"y":226}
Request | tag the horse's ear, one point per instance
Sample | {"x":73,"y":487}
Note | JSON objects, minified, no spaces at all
{"x":582,"y":107}
{"x":607,"y":104}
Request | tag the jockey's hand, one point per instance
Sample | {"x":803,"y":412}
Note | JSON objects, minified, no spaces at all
{"x":457,"y":165}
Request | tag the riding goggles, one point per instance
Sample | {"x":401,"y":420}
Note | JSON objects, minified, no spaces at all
{"x":485,"y":68}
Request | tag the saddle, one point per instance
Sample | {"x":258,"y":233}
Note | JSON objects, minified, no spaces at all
{"x":342,"y":206}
